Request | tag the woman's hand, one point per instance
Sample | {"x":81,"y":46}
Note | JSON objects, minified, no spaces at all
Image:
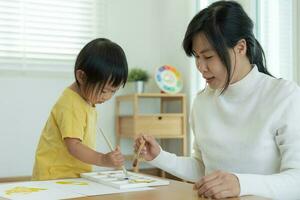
{"x":151,"y":148}
{"x":218,"y":185}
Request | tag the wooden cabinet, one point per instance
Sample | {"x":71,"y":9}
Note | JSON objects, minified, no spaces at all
{"x":160,"y":125}
{"x":166,"y":121}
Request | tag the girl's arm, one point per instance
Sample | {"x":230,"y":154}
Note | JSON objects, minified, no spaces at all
{"x":89,"y":156}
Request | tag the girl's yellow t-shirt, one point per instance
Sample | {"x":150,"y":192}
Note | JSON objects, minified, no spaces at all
{"x":71,"y":117}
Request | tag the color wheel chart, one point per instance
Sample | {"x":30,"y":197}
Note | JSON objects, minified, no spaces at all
{"x":168,"y":79}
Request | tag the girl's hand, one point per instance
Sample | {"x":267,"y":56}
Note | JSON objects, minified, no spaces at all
{"x":151,"y":148}
{"x":114,"y":158}
{"x":218,"y":185}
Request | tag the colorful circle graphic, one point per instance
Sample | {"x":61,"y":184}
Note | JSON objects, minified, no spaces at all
{"x":168,"y":79}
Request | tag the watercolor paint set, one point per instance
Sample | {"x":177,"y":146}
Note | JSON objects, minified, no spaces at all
{"x":117,"y":179}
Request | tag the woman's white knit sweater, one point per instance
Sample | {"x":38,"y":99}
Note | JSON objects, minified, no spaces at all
{"x":252,"y":130}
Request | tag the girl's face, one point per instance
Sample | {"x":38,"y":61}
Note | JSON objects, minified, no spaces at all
{"x":104,"y":95}
{"x":96,"y":96}
{"x":208,"y":62}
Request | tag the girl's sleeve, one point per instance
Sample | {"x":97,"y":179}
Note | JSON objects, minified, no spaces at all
{"x":70,"y":122}
{"x":286,"y":183}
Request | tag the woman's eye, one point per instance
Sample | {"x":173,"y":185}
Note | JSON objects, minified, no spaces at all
{"x":208,"y":57}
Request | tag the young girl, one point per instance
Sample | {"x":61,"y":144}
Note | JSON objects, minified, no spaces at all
{"x":245,"y":122}
{"x":66,"y":145}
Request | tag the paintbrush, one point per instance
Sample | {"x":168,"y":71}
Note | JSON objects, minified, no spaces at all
{"x":112,"y":149}
{"x":136,"y":158}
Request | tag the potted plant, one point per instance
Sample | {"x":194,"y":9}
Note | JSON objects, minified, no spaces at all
{"x":139,"y":77}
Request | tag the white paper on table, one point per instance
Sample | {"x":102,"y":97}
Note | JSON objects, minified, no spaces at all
{"x":78,"y":187}
{"x":89,"y":188}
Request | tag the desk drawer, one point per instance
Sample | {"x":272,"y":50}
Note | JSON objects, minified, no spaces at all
{"x":160,"y":125}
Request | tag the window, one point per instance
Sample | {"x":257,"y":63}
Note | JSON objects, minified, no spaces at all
{"x":274,"y":28}
{"x":47,"y":34}
{"x":275,"y":32}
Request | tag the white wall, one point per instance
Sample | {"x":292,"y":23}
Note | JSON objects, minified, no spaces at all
{"x":176,"y":16}
{"x":150,"y":33}
{"x":25,"y":103}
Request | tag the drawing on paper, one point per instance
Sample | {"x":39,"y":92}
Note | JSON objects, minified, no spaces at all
{"x":71,"y":183}
{"x":22,"y":190}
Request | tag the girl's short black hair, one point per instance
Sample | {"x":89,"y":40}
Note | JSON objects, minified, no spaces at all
{"x":103,"y":61}
{"x":224,"y":23}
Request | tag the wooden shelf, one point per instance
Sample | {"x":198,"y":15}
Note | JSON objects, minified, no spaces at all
{"x":157,"y":137}
{"x":162,"y":125}
{"x":156,"y":125}
{"x":150,"y":95}
{"x":155,"y":115}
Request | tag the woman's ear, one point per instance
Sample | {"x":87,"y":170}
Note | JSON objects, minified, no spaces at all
{"x":241,"y":47}
{"x":80,"y":76}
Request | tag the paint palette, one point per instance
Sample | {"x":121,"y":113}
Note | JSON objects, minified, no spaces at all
{"x":118,"y":180}
{"x":168,"y":79}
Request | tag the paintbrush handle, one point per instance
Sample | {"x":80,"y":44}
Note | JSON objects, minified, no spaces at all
{"x":112,"y":149}
{"x":135,"y":160}
{"x":140,"y":148}
{"x":125,"y":171}
{"x":106,"y":139}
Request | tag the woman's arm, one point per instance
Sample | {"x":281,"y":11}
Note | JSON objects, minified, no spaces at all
{"x":187,"y":168}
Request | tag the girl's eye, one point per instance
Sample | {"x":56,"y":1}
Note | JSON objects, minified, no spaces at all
{"x":105,"y":92}
{"x":208,"y":57}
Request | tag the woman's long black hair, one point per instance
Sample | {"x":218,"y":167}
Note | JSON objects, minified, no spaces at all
{"x":224,"y":23}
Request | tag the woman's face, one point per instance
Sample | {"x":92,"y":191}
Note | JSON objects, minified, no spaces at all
{"x":208,"y":62}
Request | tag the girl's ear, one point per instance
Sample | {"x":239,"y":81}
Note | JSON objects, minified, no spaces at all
{"x":80,"y":76}
{"x":241,"y":47}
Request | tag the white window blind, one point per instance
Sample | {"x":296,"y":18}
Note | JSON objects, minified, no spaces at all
{"x":47,"y":34}
{"x":275,"y":30}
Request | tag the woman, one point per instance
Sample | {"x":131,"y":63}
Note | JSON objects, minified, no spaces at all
{"x":245,"y":122}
